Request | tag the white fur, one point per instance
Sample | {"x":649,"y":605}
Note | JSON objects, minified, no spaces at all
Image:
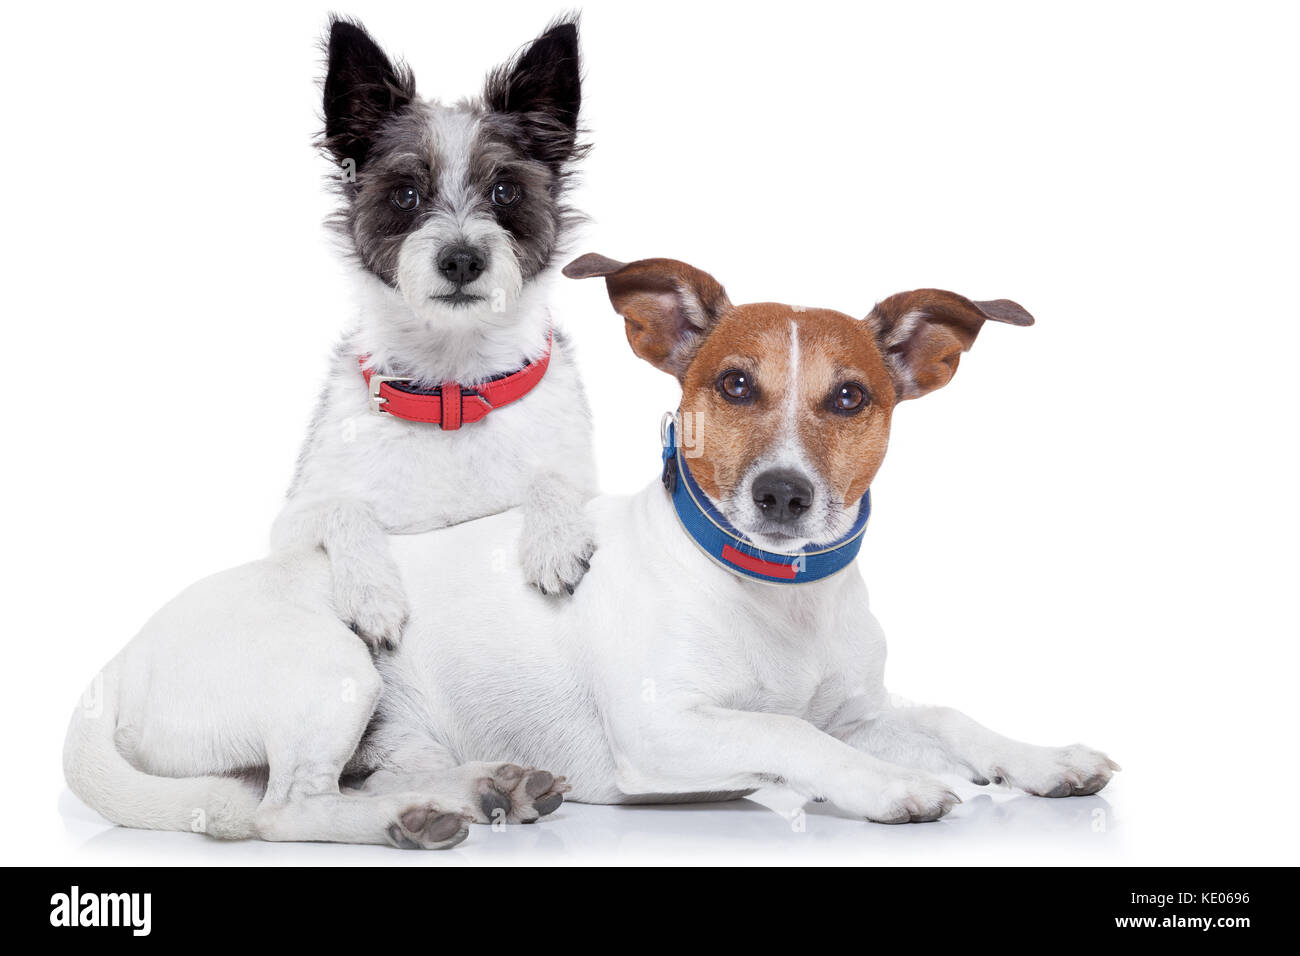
{"x":665,"y":677}
{"x":362,"y":474}
{"x":901,"y":332}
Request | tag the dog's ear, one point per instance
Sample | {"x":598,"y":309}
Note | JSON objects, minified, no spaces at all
{"x":363,"y":89}
{"x":542,"y":89}
{"x":922,"y":334}
{"x":668,"y":306}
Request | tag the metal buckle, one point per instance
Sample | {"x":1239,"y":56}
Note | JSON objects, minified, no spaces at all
{"x":670,"y":418}
{"x":377,"y":401}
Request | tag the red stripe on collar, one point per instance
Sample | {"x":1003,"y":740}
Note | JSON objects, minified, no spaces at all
{"x":758,"y":565}
{"x":450,"y":405}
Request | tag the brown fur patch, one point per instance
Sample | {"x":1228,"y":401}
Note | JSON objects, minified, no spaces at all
{"x":833,"y":349}
{"x":924,"y":332}
{"x":667,"y":305}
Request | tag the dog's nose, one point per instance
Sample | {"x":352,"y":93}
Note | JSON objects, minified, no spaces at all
{"x":461,"y":264}
{"x":782,"y":494}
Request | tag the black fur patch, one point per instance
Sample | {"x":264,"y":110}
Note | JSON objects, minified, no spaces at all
{"x":363,"y":90}
{"x":538,"y":219}
{"x":542,"y":89}
{"x":402,"y":155}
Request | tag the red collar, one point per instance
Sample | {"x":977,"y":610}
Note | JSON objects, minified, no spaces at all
{"x":449,"y":405}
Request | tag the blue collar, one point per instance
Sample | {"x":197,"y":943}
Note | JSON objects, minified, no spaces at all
{"x":731,"y":549}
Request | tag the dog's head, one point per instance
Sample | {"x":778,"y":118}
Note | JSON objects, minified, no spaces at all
{"x":786,"y":411}
{"x":456,"y":207}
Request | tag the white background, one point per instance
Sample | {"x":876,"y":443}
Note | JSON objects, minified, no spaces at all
{"x":1090,"y":535}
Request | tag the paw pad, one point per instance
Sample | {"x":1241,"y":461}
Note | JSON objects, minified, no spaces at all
{"x":427,"y":828}
{"x":515,"y":794}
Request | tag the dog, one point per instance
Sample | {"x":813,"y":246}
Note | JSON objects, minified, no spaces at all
{"x":456,"y":396}
{"x":721,"y":642}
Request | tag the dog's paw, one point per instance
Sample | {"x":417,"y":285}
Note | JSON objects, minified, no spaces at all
{"x":509,"y":793}
{"x":555,"y":563}
{"x":1074,"y":771}
{"x":914,"y":799}
{"x":425,"y":827}
{"x":893,"y":797}
{"x":374,"y":606}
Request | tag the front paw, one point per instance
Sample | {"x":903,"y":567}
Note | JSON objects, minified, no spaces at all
{"x":373,"y":607}
{"x":904,"y":797}
{"x":1074,"y":771}
{"x":555,"y":563}
{"x":913,"y":799}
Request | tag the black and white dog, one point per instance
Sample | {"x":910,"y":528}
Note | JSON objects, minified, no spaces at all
{"x":456,"y":395}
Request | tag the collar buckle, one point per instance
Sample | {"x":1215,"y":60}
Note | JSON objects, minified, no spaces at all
{"x":667,"y":425}
{"x":377,"y":401}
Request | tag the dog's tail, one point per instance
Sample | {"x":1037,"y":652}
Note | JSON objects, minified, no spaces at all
{"x":97,"y":772}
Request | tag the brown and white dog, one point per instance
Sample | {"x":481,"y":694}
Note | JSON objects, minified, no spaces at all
{"x":672,"y":674}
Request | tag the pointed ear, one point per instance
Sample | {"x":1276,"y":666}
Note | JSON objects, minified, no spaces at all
{"x":922,"y":334}
{"x":542,"y":88}
{"x":668,"y":306}
{"x":363,"y":89}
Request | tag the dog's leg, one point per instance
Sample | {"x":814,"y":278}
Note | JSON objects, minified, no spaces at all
{"x":708,"y":748}
{"x":487,"y":792}
{"x":556,"y":542}
{"x":367,"y":586}
{"x":306,"y":754}
{"x":944,"y":740}
{"x":303,"y":813}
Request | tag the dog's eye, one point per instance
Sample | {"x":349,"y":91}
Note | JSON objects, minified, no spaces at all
{"x":848,"y":399}
{"x":506,"y":194}
{"x":406,"y":197}
{"x":736,"y":387}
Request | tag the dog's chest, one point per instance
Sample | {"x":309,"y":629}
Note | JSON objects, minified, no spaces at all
{"x":418,"y":477}
{"x":779,"y":661}
{"x":423,"y":478}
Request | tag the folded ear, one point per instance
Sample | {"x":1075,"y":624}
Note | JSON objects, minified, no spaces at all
{"x":923,"y":333}
{"x":362,"y":90}
{"x":668,"y":306}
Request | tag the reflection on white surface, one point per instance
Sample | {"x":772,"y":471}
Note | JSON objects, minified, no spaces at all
{"x":772,"y":826}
